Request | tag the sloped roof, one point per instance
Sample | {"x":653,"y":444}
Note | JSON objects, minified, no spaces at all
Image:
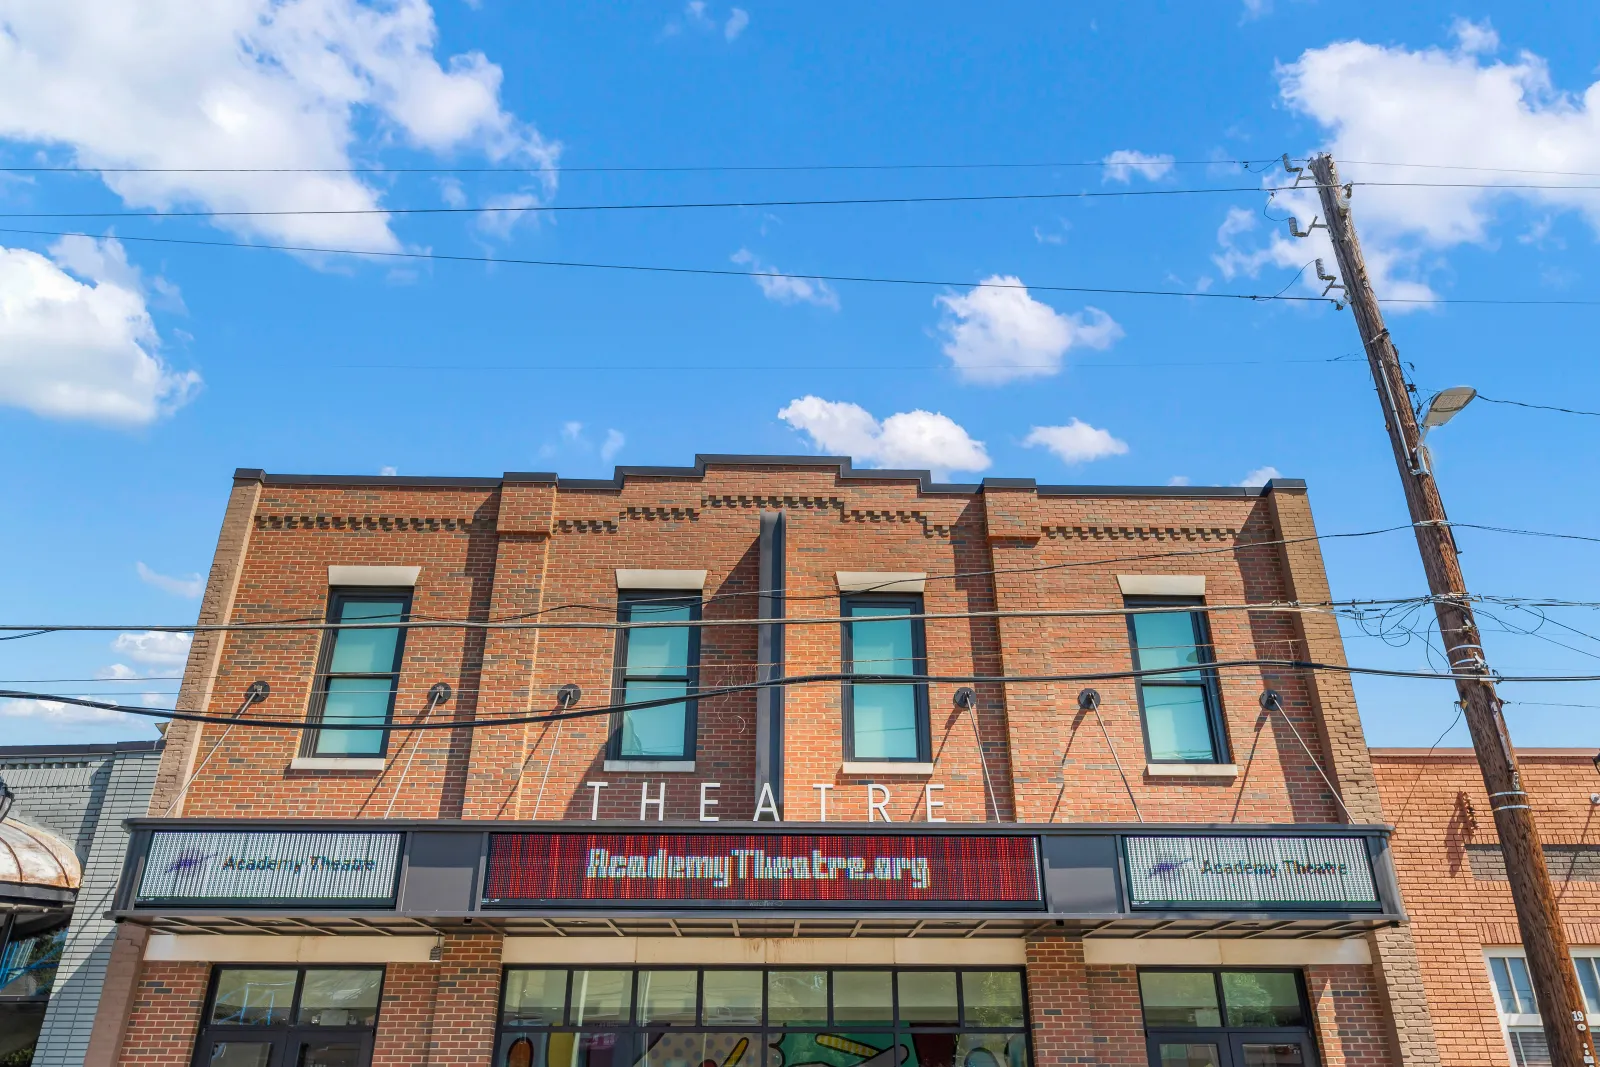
{"x":35,"y":857}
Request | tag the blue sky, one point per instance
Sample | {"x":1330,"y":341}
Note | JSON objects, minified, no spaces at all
{"x":134,"y":376}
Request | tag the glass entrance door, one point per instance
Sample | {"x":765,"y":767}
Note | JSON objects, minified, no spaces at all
{"x":1226,"y":1018}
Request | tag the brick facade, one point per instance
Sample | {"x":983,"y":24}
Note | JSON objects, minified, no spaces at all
{"x":530,"y":547}
{"x":1445,"y":847}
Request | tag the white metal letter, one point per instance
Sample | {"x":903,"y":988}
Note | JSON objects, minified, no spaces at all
{"x":877,"y":806}
{"x":645,"y":800}
{"x":929,"y":803}
{"x":767,"y":802}
{"x":707,"y":802}
{"x":822,"y":799}
{"x":594,"y":805}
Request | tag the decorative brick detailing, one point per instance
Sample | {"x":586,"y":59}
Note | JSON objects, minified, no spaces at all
{"x":1145,"y":533}
{"x":586,"y":525}
{"x":397,"y":523}
{"x":792,"y":503}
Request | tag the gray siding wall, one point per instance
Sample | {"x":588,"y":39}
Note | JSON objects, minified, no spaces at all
{"x":83,"y":799}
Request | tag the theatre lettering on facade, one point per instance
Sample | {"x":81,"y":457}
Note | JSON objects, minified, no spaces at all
{"x":1037,"y":788}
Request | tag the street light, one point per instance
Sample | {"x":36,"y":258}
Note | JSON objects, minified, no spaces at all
{"x":1446,"y":405}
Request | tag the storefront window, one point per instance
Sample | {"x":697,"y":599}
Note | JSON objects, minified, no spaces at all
{"x":28,"y":965}
{"x":1226,"y":1019}
{"x":291,"y":1017}
{"x":726,"y":1017}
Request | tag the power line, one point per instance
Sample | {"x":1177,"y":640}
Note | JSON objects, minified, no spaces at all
{"x":844,"y":278}
{"x":725,"y":368}
{"x":870,"y":201}
{"x":528,"y":209}
{"x":562,"y":169}
{"x":1537,"y":407}
{"x":705,"y":271}
{"x":828,"y":677}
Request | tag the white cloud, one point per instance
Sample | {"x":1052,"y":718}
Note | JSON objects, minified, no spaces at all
{"x":613,"y":443}
{"x":1076,"y":442}
{"x":913,"y":439}
{"x":784,"y":288}
{"x":1457,"y":106}
{"x":511,"y":209}
{"x":451,"y":193}
{"x":190,"y":587}
{"x":154,"y":646}
{"x":1255,"y":9}
{"x":250,"y":83}
{"x":388,"y":472}
{"x":572,"y":431}
{"x":82,"y":349}
{"x":1124,"y":163}
{"x":1259,"y":477}
{"x":56,"y":711}
{"x":737,"y":21}
{"x":1475,"y":38}
{"x":1178,"y":479}
{"x":996,"y":335}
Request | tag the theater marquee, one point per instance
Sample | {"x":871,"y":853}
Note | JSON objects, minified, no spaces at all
{"x":756,"y":869}
{"x":221,"y":866}
{"x":1237,"y":871}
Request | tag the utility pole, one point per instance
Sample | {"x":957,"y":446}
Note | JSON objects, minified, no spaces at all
{"x":1555,"y":981}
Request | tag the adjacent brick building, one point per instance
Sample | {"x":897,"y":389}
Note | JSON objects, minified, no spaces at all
{"x":1034,"y":809}
{"x":1463,"y":921}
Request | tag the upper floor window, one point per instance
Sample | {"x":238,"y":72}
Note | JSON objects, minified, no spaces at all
{"x":1519,"y":1012}
{"x":658,"y":662}
{"x":359,"y":672}
{"x":1182,"y":710}
{"x":885,"y":720}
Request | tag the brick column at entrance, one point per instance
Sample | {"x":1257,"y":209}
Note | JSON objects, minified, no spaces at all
{"x":1082,"y":1015}
{"x":166,"y":1015}
{"x":466,"y":1005}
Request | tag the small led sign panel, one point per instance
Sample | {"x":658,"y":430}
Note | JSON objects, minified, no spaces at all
{"x":258,"y":868}
{"x":755,"y":869}
{"x":1209,"y":873}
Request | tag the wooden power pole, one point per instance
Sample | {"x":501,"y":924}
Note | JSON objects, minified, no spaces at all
{"x":1555,"y":981}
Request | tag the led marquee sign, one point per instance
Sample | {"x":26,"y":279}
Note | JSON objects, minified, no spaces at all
{"x":709,"y":869}
{"x":245,"y":868}
{"x":1234,"y":872}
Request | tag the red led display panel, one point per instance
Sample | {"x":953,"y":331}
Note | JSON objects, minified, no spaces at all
{"x":762,"y":868}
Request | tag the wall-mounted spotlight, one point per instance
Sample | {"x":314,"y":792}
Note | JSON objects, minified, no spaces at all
{"x":966,"y":698}
{"x":567,"y":696}
{"x":1088,"y":699}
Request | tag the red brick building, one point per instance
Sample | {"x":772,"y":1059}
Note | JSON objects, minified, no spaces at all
{"x":1018,"y":799}
{"x":1463,"y":921}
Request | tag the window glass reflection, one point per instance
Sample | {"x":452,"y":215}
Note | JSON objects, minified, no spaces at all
{"x":253,"y":996}
{"x":1179,"y":998}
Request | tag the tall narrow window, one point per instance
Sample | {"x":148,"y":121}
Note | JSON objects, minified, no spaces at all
{"x":1181,"y":708}
{"x":885,"y":720}
{"x":657,"y":662}
{"x":359,"y":673}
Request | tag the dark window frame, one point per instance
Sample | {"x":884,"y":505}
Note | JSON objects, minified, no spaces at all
{"x":626,"y":601}
{"x":919,"y":666}
{"x":1225,"y":1035}
{"x":209,"y":1032}
{"x":338,"y":596}
{"x":506,"y":1032}
{"x":1209,"y":684}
